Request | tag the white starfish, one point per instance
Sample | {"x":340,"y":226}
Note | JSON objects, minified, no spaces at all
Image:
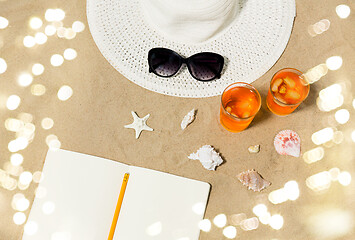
{"x":139,"y":124}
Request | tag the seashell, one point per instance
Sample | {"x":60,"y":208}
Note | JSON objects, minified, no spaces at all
{"x":254,"y":149}
{"x":253,"y":180}
{"x":189,"y":118}
{"x":209,"y":158}
{"x":287,"y":142}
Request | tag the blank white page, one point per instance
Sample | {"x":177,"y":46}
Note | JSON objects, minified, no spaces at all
{"x":82,"y":192}
{"x":161,"y":206}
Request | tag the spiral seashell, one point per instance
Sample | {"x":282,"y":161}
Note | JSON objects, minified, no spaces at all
{"x":253,"y":180}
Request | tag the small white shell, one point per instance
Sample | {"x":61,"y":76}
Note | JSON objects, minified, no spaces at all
{"x":189,"y":118}
{"x":208,"y":157}
{"x":253,"y":180}
{"x":254,"y":149}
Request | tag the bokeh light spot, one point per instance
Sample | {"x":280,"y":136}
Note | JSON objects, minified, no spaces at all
{"x":37,"y":176}
{"x":19,"y":218}
{"x":57,"y":24}
{"x":47,"y":123}
{"x":13,"y":102}
{"x":22,"y":204}
{"x":230,"y":232}
{"x":334,"y":63}
{"x":291,"y":190}
{"x":38,"y":89}
{"x":249,"y":224}
{"x":313,"y":155}
{"x":236,"y":219}
{"x":3,"y":22}
{"x":69,"y":33}
{"x":31,"y":228}
{"x":78,"y":26}
{"x":29,"y":41}
{"x":338,"y":137}
{"x":15,"y":198}
{"x":334,"y":173}
{"x":14,"y":125}
{"x":16,"y":159}
{"x":319,"y":182}
{"x":220,"y":220}
{"x":199,"y":208}
{"x":3,"y":66}
{"x":265,"y":218}
{"x":205,"y":225}
{"x":35,"y":23}
{"x":54,"y":144}
{"x":276,"y":221}
{"x":154,"y":229}
{"x":25,"y":117}
{"x":53,"y":15}
{"x":344,"y":178}
{"x":278,"y":196}
{"x":41,"y":38}
{"x":64,"y":93}
{"x":322,"y":136}
{"x":69,"y":54}
{"x":57,"y":60}
{"x":353,"y":136}
{"x":50,"y":30}
{"x":330,"y":98}
{"x":25,"y":178}
{"x":259,"y":209}
{"x":37,"y":69}
{"x":48,"y":207}
{"x":40,"y":192}
{"x":343,"y":11}
{"x":342,"y":116}
{"x":61,"y":32}
{"x":25,"y":79}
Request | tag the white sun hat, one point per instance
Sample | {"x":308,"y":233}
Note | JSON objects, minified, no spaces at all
{"x":251,"y":35}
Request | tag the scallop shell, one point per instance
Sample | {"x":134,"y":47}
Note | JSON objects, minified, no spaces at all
{"x":189,"y":118}
{"x":253,"y":180}
{"x":287,"y":142}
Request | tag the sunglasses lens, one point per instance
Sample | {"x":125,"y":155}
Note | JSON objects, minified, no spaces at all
{"x":206,"y":66}
{"x":164,"y":62}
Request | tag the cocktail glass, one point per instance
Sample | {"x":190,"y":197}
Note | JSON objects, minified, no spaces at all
{"x":239,"y":104}
{"x":288,"y":89}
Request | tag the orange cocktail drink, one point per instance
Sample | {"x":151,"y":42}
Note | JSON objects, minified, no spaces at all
{"x":240,"y":103}
{"x":288,"y":88}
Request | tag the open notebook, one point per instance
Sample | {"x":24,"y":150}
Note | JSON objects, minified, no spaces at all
{"x":81,"y":197}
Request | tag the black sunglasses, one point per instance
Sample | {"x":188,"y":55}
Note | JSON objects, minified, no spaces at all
{"x":204,"y":66}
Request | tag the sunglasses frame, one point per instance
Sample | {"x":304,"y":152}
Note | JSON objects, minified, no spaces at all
{"x":186,"y":61}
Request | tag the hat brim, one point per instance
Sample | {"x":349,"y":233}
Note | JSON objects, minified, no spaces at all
{"x":251,"y":45}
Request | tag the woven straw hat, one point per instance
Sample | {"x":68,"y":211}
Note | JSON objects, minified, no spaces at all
{"x":250,"y":34}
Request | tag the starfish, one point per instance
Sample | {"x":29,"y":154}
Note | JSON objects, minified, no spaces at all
{"x":139,"y":124}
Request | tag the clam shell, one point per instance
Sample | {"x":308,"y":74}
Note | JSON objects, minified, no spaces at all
{"x":287,"y":142}
{"x":253,"y":180}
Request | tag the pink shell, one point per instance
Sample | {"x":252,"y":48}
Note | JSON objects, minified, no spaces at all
{"x":287,"y":142}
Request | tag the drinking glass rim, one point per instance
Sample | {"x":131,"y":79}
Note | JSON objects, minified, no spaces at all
{"x":301,"y":75}
{"x":250,"y":87}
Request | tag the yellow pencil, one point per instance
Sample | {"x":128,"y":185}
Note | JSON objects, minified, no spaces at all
{"x":118,"y":206}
